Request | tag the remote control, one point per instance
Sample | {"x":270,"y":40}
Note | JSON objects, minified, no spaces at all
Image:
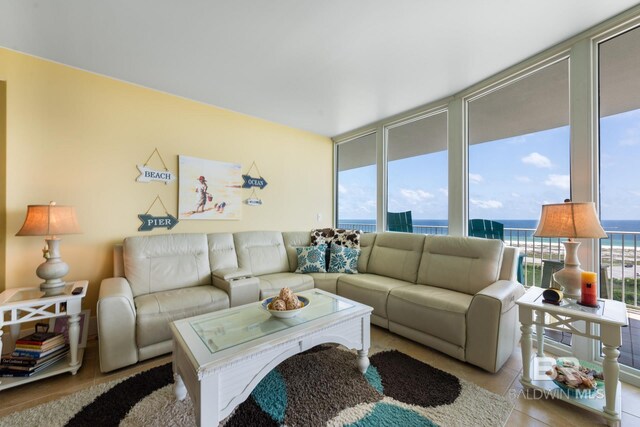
{"x":76,"y":291}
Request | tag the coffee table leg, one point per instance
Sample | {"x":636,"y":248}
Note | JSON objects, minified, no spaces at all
{"x":179,"y":389}
{"x":363,"y":360}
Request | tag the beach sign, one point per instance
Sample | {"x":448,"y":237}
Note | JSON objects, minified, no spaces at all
{"x":148,"y":174}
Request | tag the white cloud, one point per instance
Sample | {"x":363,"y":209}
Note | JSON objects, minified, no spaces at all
{"x":342,"y":189}
{"x":635,"y":193}
{"x":560,"y":181}
{"x":475,"y":178}
{"x":486,"y":204}
{"x":537,"y":160}
{"x":415,"y":196}
{"x":524,"y":179}
{"x":519,"y":140}
{"x":632,"y":137}
{"x":515,"y":195}
{"x":444,"y":191}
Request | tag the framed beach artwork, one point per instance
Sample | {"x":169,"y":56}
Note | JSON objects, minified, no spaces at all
{"x":209,"y":189}
{"x":60,"y":325}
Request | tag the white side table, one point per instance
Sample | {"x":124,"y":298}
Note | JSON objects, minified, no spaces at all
{"x":611,"y":316}
{"x":20,"y":305}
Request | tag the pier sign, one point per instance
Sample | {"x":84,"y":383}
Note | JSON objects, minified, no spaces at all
{"x":149,"y":222}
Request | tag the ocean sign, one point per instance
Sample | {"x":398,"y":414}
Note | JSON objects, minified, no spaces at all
{"x":149,"y":222}
{"x":249,"y":182}
{"x":148,"y":174}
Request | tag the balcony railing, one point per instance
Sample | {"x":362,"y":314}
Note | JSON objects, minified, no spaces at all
{"x":619,"y":255}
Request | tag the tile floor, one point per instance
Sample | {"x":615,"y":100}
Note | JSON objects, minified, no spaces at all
{"x":527,"y":412}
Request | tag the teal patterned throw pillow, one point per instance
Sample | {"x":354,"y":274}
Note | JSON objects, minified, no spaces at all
{"x":311,"y":259}
{"x":343,"y":260}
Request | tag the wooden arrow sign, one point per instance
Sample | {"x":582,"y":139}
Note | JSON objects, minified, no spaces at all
{"x":149,"y":222}
{"x":253,"y":182}
{"x":147,"y":175}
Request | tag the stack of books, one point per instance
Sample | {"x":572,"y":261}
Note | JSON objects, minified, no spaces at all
{"x":33,"y":353}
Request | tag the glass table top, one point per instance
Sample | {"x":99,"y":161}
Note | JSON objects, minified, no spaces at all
{"x":17,"y":296}
{"x":226,"y":329}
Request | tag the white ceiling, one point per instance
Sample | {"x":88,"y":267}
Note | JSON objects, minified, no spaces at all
{"x":325,"y":66}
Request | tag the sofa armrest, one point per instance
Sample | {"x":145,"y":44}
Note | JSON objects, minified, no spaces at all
{"x":116,"y":325}
{"x":238,"y":284}
{"x":492,"y":325}
{"x":231,"y":273}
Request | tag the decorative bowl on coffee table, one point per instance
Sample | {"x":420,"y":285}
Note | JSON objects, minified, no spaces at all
{"x":285,"y":314}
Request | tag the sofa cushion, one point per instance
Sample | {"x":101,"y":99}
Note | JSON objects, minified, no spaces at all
{"x":366,"y":244}
{"x":434,"y":311}
{"x":270,"y":284}
{"x":166,"y":261}
{"x":293,"y":240}
{"x":343,"y":260}
{"x":396,"y":255}
{"x":326,"y":281}
{"x":222,"y":251}
{"x":261,"y":252}
{"x":463,"y":264}
{"x":369,"y":289}
{"x":156,"y":310}
{"x":311,"y":259}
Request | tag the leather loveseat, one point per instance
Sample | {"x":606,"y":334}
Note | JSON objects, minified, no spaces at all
{"x":454,"y":294}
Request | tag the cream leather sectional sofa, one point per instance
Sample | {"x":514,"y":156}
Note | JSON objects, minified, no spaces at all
{"x":454,"y":294}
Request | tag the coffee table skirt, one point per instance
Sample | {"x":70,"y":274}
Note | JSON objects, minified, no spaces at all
{"x":219,"y":381}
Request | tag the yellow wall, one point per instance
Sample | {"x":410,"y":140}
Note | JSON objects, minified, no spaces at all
{"x":3,"y":168}
{"x":76,"y":137}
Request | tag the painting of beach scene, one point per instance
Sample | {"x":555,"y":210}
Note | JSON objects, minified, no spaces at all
{"x":209,"y":189}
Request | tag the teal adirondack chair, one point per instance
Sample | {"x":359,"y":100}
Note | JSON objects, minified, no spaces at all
{"x":400,"y":221}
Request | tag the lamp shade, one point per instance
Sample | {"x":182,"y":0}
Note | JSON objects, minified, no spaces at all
{"x":49,"y":220}
{"x":570,"y":220}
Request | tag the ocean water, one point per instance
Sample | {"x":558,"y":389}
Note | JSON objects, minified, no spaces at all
{"x":616,"y":227}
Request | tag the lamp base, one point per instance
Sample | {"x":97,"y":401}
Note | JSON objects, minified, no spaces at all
{"x":52,"y":287}
{"x":52,"y":270}
{"x":570,"y":277}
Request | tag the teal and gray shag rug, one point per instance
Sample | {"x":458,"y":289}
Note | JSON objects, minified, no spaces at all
{"x":319,"y":387}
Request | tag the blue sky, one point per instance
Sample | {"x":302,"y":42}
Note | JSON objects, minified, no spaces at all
{"x":508,"y":179}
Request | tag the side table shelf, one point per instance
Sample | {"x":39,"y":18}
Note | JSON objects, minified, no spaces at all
{"x":594,"y":403}
{"x":59,"y":367}
{"x":21,"y":305}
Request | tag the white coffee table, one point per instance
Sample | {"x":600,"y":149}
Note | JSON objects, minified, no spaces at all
{"x":219,"y":358}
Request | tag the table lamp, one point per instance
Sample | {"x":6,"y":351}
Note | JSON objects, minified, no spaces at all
{"x":51,"y":221}
{"x":571,"y":220}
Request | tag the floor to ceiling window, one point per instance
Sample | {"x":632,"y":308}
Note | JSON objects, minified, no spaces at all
{"x":519,"y":147}
{"x":417,"y":190}
{"x":619,"y":109}
{"x":518,"y":160}
{"x":356,"y":189}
